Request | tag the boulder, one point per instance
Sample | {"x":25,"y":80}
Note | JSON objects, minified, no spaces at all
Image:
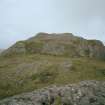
{"x":83,"y":93}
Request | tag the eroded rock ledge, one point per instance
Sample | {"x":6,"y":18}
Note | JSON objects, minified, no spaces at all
{"x":83,"y":93}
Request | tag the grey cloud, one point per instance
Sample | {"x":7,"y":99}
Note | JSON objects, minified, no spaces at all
{"x":20,"y":19}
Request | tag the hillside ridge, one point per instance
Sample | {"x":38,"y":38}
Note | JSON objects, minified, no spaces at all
{"x":61,"y":44}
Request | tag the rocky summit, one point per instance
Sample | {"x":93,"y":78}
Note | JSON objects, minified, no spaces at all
{"x":83,"y":93}
{"x":62,"y":44}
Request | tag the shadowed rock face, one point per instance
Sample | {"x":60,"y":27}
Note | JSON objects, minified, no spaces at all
{"x":64,"y":44}
{"x":83,"y":93}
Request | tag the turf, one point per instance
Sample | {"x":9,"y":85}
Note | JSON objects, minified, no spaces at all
{"x":24,"y":73}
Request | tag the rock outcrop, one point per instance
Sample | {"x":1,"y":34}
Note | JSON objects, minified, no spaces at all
{"x":65,"y":44}
{"x":83,"y":93}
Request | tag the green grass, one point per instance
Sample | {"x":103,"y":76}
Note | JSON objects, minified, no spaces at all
{"x":58,"y":101}
{"x":33,"y":47}
{"x":45,"y":76}
{"x":24,"y":73}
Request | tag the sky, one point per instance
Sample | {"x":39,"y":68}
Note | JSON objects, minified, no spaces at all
{"x":21,"y":19}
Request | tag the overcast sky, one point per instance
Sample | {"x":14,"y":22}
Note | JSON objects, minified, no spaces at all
{"x":21,"y":19}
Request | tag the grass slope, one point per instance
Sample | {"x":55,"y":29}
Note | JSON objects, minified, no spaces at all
{"x":23,"y":73}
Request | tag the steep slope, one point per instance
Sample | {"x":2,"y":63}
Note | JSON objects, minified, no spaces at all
{"x":83,"y":93}
{"x":65,"y":44}
{"x":50,"y":59}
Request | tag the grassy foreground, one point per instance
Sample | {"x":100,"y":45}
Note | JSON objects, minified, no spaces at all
{"x":25,"y":73}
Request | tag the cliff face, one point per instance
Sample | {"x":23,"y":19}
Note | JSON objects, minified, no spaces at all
{"x":83,"y":93}
{"x":65,"y":44}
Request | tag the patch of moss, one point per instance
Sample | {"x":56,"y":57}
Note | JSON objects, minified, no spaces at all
{"x":58,"y":101}
{"x":46,"y":75}
{"x":87,"y":52}
{"x":70,"y":50}
{"x":100,"y":73}
{"x":20,"y":42}
{"x":34,"y":47}
{"x":94,"y":42}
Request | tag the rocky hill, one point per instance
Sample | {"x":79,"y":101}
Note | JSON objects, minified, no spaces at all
{"x":65,"y":44}
{"x":83,"y":93}
{"x":53,"y":60}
